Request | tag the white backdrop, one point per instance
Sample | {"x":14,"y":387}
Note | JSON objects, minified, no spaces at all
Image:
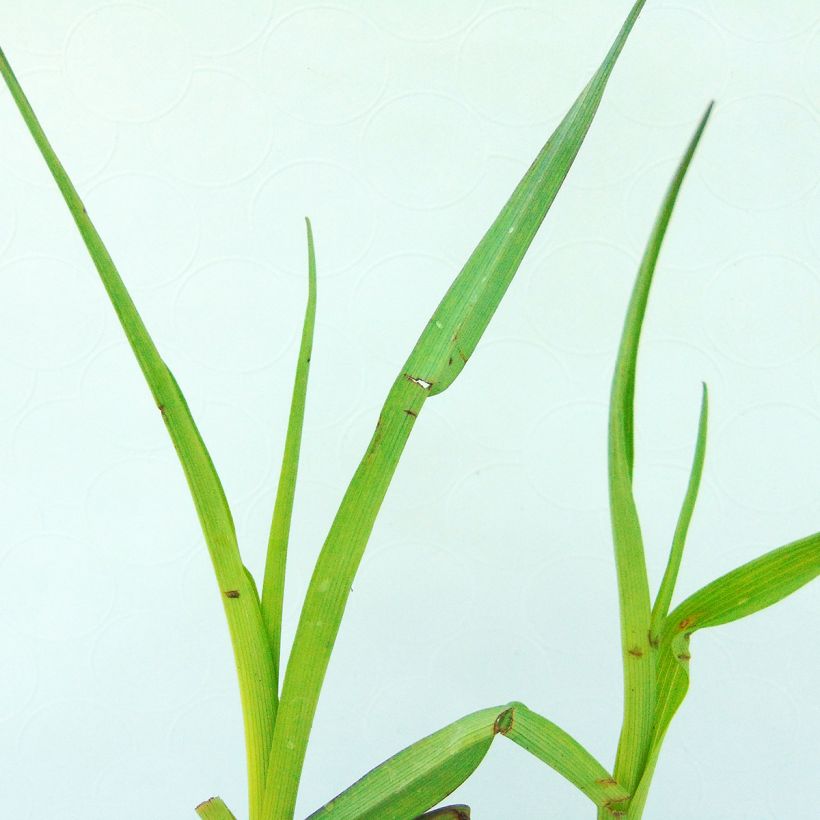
{"x":201,"y":134}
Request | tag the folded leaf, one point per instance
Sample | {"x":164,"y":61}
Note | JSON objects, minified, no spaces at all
{"x":251,"y":649}
{"x":426,"y":772}
{"x":661,"y":608}
{"x":741,"y":592}
{"x":214,"y":809}
{"x":633,"y":585}
{"x":273,"y":588}
{"x":438,"y":357}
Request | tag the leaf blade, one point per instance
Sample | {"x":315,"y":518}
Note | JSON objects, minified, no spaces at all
{"x":251,"y":651}
{"x":633,"y":584}
{"x":431,"y":367}
{"x":214,"y":809}
{"x":667,"y":588}
{"x":273,"y":587}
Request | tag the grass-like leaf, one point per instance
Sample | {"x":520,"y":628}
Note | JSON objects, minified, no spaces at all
{"x":426,"y":772}
{"x":250,"y":644}
{"x":670,"y":576}
{"x":214,"y":809}
{"x":633,"y":585}
{"x":741,"y":592}
{"x":439,"y":355}
{"x":273,"y":588}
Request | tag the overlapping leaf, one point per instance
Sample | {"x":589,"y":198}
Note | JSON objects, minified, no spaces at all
{"x":444,"y":346}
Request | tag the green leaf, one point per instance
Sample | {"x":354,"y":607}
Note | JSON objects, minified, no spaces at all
{"x":214,"y":809}
{"x":741,"y":592}
{"x":273,"y":588}
{"x":633,"y":585}
{"x":661,"y":608}
{"x":438,"y":357}
{"x":251,"y":649}
{"x":426,"y":772}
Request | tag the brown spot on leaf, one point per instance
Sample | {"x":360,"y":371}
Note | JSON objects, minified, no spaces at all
{"x":412,"y":413}
{"x":636,"y":652}
{"x":232,"y":593}
{"x":504,"y":722}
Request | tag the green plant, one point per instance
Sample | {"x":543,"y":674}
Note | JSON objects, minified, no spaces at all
{"x":278,"y":710}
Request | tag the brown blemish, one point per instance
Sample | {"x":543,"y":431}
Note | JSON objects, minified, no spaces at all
{"x":504,"y":722}
{"x":412,"y":413}
{"x":232,"y":593}
{"x":684,"y":656}
{"x":636,"y":652}
{"x":161,"y":408}
{"x":423,"y":383}
{"x":686,"y":623}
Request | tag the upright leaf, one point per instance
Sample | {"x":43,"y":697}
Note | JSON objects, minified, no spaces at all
{"x":423,"y":774}
{"x":670,"y":576}
{"x":273,"y":588}
{"x":633,"y":586}
{"x":439,"y":355}
{"x":250,"y":644}
{"x":741,"y":592}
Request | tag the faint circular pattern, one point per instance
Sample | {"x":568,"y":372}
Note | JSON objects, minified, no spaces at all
{"x":497,"y":516}
{"x":218,"y":28}
{"x":56,"y":452}
{"x":314,"y":78}
{"x":20,"y":679}
{"x":393,"y":300}
{"x":127,"y":63}
{"x":162,"y":668}
{"x":763,"y":152}
{"x":511,"y":382}
{"x":564,"y":459}
{"x":239,"y":445}
{"x":667,"y":76}
{"x":340,"y":207}
{"x":514,"y":43}
{"x":756,"y":453}
{"x":230,"y":315}
{"x":697,"y":236}
{"x":810,"y":72}
{"x":762,"y":21}
{"x":577,"y":296}
{"x":8,"y":220}
{"x":762,"y":310}
{"x":135,"y":504}
{"x":335,"y":371}
{"x":423,"y":150}
{"x":85,"y":142}
{"x":431,"y":604}
{"x":116,"y":399}
{"x":218,"y":133}
{"x":20,"y":383}
{"x":56,"y":588}
{"x":812,"y":212}
{"x":49,"y":313}
{"x":41,"y":26}
{"x":430,"y":20}
{"x":155,"y":237}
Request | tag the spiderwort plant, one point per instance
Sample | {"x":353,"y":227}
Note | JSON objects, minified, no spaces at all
{"x":278,"y":709}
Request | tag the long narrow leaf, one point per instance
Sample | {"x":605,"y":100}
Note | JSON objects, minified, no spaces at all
{"x":214,"y":809}
{"x":273,"y":588}
{"x":438,"y":357}
{"x":426,"y":772}
{"x":741,"y":592}
{"x":250,"y":644}
{"x":670,"y":576}
{"x":633,"y":586}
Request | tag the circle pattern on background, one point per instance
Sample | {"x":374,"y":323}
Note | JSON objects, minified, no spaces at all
{"x":51,"y":332}
{"x":763,"y":21}
{"x":324,"y":191}
{"x":221,"y":29}
{"x":150,"y":227}
{"x":62,"y":572}
{"x":430,"y":21}
{"x":126,"y":63}
{"x":321,"y":84}
{"x":776,"y":161}
{"x":423,"y":150}
{"x":747,"y":303}
{"x":217,"y":134}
